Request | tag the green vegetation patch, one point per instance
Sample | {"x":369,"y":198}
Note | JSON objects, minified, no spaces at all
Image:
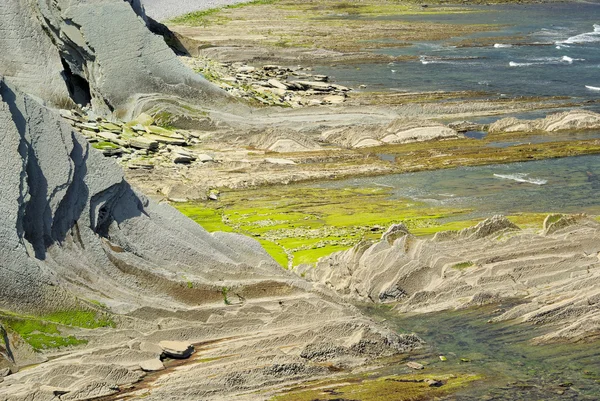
{"x":299,"y":224}
{"x":104,"y":145}
{"x":463,"y":265}
{"x":206,"y":17}
{"x":45,"y":332}
{"x":388,"y":388}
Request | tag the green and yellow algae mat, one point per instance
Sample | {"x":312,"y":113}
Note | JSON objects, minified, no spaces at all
{"x":299,"y":224}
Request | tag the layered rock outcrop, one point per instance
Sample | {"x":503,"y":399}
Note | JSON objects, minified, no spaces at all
{"x":397,"y":132}
{"x":568,"y":120}
{"x":556,"y":273}
{"x":97,"y":53}
{"x":69,"y":220}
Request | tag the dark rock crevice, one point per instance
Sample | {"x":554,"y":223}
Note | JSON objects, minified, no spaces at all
{"x":79,"y":87}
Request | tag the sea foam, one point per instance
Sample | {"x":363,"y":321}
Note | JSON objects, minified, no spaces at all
{"x":588,"y":37}
{"x":521,"y":177}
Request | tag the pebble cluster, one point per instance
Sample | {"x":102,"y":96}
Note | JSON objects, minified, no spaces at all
{"x":139,"y":144}
{"x":271,"y":84}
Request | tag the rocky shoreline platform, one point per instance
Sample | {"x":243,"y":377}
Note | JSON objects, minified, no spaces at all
{"x":107,"y":292}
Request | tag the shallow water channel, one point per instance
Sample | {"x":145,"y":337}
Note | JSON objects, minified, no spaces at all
{"x":513,"y":368}
{"x":565,"y":185}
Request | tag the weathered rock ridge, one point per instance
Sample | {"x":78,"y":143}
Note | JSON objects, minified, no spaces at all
{"x":97,"y":53}
{"x":568,"y":120}
{"x":556,"y":273}
{"x":71,"y":221}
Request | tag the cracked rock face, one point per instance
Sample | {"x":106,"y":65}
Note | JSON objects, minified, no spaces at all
{"x":67,"y":51}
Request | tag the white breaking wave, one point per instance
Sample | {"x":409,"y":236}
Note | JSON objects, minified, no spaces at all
{"x":522,"y":177}
{"x":501,"y":45}
{"x":588,"y":37}
{"x":545,"y":61}
{"x":593,"y":88}
{"x":515,"y":64}
{"x":570,"y":60}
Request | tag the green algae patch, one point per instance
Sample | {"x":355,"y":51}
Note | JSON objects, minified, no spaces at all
{"x":300,"y":224}
{"x":463,"y":265}
{"x":46,"y":332}
{"x":387,"y":388}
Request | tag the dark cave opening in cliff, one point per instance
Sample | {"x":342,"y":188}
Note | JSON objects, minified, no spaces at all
{"x":79,"y":87}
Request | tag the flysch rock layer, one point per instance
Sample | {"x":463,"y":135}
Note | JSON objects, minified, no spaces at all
{"x":556,"y":273}
{"x":568,"y":120}
{"x":73,"y":231}
{"x":397,"y":132}
{"x":96,"y":52}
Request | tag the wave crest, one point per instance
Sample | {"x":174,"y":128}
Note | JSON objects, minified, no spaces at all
{"x":522,"y":177}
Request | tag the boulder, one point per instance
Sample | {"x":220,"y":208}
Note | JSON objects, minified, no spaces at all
{"x":177,"y":349}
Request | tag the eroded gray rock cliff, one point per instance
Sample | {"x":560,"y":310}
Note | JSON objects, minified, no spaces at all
{"x":93,"y":52}
{"x":71,"y":224}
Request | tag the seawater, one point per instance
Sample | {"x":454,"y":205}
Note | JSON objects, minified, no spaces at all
{"x":541,"y":50}
{"x":565,"y":185}
{"x":512,"y":368}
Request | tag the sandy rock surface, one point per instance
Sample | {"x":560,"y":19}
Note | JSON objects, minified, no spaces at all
{"x":556,"y":272}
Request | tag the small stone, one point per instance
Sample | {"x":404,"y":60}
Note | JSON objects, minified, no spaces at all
{"x":110,"y":127}
{"x":4,"y":372}
{"x":276,"y":84}
{"x":180,"y":155}
{"x":177,"y":349}
{"x":443,"y":358}
{"x":204,"y":158}
{"x":433,"y":383}
{"x":143,"y":143}
{"x":415,"y":365}
{"x":109,"y":136}
{"x":246,"y":69}
{"x":152,"y":365}
{"x":109,"y":152}
{"x":138,"y":127}
{"x":89,"y":126}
